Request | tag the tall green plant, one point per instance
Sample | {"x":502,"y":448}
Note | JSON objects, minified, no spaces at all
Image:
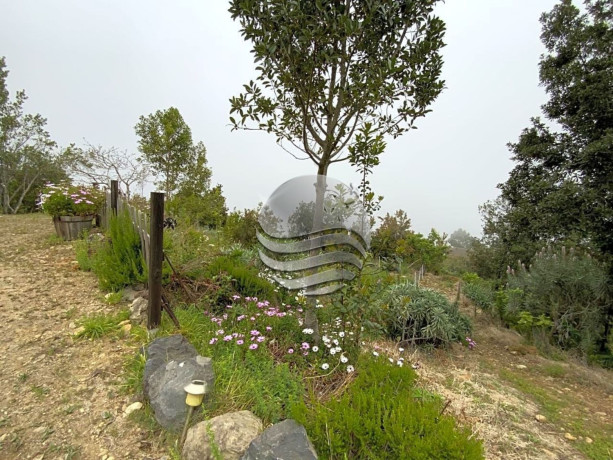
{"x":570,"y":288}
{"x":119,"y":261}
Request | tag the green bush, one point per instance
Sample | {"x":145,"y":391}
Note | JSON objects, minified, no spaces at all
{"x":117,"y":259}
{"x":245,"y":278}
{"x":570,"y":289}
{"x":241,"y":226}
{"x":421,"y":315}
{"x":481,"y":294}
{"x":382,"y":416}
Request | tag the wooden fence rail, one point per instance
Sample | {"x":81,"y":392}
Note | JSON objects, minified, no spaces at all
{"x":152,"y":248}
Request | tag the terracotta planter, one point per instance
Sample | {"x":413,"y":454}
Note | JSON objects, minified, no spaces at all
{"x":72,"y":227}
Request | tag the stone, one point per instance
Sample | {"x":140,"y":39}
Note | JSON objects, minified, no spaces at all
{"x":287,"y":440}
{"x":132,"y":407}
{"x":166,"y":393}
{"x":125,"y":329}
{"x":589,"y":440}
{"x":540,"y":418}
{"x":163,"y":350}
{"x":521,"y":366}
{"x":231,"y":433}
{"x":138,"y":310}
{"x":78,"y":331}
{"x":570,"y":437}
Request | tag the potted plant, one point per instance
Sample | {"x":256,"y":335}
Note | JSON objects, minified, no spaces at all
{"x":73,"y":208}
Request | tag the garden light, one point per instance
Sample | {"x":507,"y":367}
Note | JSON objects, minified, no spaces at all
{"x":195,"y":394}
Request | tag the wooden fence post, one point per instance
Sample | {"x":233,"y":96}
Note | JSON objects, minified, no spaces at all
{"x":114,"y":195}
{"x":156,"y":255}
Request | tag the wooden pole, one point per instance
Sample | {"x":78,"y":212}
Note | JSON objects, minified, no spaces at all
{"x":156,"y":255}
{"x":114,"y":195}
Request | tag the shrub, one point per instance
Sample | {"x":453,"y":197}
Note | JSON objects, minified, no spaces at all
{"x":382,"y":416}
{"x":570,"y":289}
{"x":116,"y":260}
{"x":422,"y":315}
{"x":241,"y":226}
{"x":245,"y":278}
{"x":481,"y":294}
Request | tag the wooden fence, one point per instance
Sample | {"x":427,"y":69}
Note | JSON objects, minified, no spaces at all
{"x":150,"y":229}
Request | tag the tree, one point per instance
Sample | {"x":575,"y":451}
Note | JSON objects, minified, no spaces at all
{"x":27,"y":159}
{"x":330,"y":70}
{"x":195,"y":200}
{"x":165,"y":141}
{"x":101,"y":165}
{"x":560,"y":190}
{"x":461,"y":239}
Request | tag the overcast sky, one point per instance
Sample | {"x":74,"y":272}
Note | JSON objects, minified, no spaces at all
{"x":93,"y":67}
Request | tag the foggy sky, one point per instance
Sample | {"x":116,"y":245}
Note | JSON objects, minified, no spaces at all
{"x":93,"y":67}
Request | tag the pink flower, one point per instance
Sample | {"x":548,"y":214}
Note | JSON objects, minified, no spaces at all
{"x":261,"y":338}
{"x":305,"y":346}
{"x":290,"y":351}
{"x":239,"y":342}
{"x":213,"y":341}
{"x":268,"y":328}
{"x":236,"y":297}
{"x":253,"y":346}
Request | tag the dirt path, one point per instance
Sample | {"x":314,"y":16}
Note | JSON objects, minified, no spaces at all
{"x":61,"y":396}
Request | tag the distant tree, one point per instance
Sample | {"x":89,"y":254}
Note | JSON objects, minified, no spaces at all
{"x":460,"y":239}
{"x":27,"y":156}
{"x":561,"y":188}
{"x":165,"y":141}
{"x":102,"y":164}
{"x":393,"y":229}
{"x":195,"y":200}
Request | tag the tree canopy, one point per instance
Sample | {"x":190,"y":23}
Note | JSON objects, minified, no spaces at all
{"x":561,"y":189}
{"x":27,"y":153}
{"x":165,"y":141}
{"x":330,"y":70}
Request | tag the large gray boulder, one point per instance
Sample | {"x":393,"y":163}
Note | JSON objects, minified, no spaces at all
{"x":163,"y":350}
{"x":228,"y":434}
{"x":286,"y":440}
{"x":166,"y":389}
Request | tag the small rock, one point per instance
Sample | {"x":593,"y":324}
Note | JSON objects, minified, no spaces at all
{"x":287,"y":440}
{"x":126,"y":321}
{"x":232,"y":432}
{"x":540,"y":418}
{"x":602,"y":414}
{"x":126,"y":328}
{"x":78,"y":331}
{"x":521,"y":366}
{"x":39,"y":430}
{"x":132,"y":407}
{"x":138,"y":310}
{"x":570,"y":437}
{"x":588,"y":440}
{"x":72,"y":325}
